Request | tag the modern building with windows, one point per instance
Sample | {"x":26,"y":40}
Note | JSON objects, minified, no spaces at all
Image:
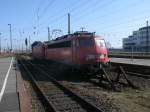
{"x":137,"y":42}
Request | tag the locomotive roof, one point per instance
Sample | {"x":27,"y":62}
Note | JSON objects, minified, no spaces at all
{"x":36,"y":43}
{"x":67,"y":37}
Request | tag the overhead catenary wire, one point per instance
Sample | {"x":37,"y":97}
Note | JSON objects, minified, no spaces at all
{"x":72,"y":9}
{"x":114,"y":26}
{"x":106,"y":14}
{"x":81,"y":4}
{"x":97,"y":7}
{"x":58,"y":19}
{"x":46,"y":8}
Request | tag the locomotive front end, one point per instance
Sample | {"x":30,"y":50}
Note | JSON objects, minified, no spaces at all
{"x":101,"y":51}
{"x":100,"y":56}
{"x":93,"y":52}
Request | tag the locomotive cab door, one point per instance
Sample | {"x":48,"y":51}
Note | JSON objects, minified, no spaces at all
{"x":75,"y":52}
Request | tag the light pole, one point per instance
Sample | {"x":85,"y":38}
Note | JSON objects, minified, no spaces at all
{"x":10,"y":38}
{"x":147,"y":38}
{"x":5,"y":47}
{"x":68,"y":23}
{"x":0,"y":43}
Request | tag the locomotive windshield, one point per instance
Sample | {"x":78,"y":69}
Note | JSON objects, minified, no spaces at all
{"x":86,"y":42}
{"x":100,"y":43}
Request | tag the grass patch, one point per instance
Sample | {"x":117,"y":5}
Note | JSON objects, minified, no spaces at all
{"x":133,"y":100}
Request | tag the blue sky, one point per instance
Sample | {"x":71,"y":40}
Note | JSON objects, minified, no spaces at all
{"x":112,"y":19}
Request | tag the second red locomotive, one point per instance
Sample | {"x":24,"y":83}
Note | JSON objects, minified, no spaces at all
{"x":80,"y":49}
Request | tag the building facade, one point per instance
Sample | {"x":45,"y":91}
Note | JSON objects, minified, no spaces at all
{"x":137,"y":42}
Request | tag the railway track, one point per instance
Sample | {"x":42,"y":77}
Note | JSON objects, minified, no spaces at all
{"x":82,"y":88}
{"x":55,"y":96}
{"x":118,"y":76}
{"x":134,"y":70}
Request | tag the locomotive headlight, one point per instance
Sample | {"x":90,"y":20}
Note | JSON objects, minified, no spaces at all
{"x":102,"y":56}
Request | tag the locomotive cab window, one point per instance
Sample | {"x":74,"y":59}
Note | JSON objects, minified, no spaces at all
{"x":100,"y":43}
{"x":87,"y":42}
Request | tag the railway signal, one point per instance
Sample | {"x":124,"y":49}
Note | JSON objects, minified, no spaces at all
{"x":26,"y":43}
{"x":29,"y":43}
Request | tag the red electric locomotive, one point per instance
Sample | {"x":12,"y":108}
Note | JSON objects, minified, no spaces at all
{"x":80,"y":49}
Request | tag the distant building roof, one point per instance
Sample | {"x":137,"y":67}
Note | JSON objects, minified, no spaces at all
{"x":144,"y":28}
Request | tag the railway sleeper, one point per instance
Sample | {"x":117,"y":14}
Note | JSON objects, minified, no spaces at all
{"x":86,"y":105}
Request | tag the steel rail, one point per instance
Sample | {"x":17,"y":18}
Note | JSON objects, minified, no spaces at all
{"x":85,"y":104}
{"x":137,"y":74}
{"x":45,"y":100}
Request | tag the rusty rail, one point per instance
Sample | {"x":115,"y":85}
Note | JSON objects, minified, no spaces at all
{"x":84,"y":104}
